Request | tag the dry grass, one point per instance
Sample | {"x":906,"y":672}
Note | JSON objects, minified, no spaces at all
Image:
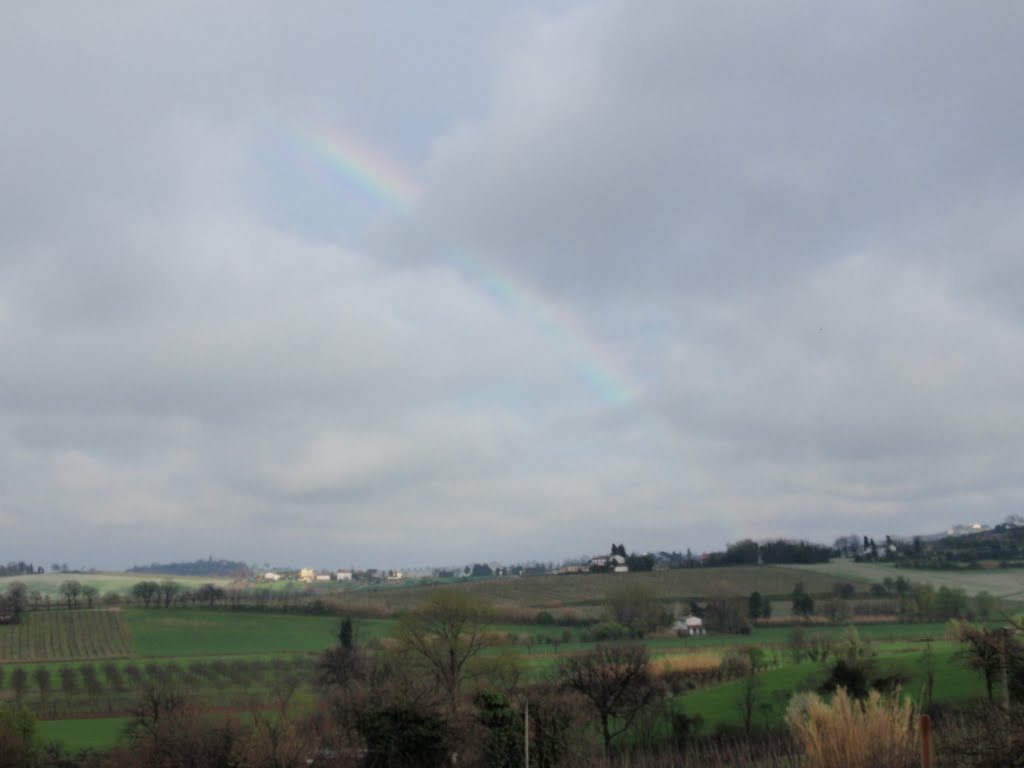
{"x":853,"y":734}
{"x":688,"y":663}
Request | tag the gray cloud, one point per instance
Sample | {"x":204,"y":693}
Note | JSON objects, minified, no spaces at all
{"x":792,"y":235}
{"x":664,"y":148}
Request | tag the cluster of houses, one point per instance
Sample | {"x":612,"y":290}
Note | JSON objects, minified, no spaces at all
{"x":310,"y":575}
{"x":963,"y":530}
{"x":599,"y":564}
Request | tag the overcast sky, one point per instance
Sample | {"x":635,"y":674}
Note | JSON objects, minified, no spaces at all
{"x":392,"y":284}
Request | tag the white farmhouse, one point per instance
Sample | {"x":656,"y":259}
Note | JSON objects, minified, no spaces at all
{"x":691,"y":625}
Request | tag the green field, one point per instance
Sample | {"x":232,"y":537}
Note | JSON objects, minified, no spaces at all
{"x":1007,"y":584}
{"x":231,"y":659}
{"x":200,"y":632}
{"x":86,"y":733}
{"x":234,"y":660}
{"x":48,"y":584}
{"x":720,"y":705}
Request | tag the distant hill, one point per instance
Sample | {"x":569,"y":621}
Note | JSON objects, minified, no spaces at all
{"x":208,"y":567}
{"x":1002,"y":546}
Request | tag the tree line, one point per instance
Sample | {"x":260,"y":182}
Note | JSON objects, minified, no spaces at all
{"x":770,"y":552}
{"x":20,"y":568}
{"x":200,"y":567}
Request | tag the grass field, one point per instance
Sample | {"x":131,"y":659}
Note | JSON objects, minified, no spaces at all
{"x":1007,"y":584}
{"x":720,"y":705}
{"x":198,"y":632}
{"x":56,"y":635}
{"x":49,"y":583}
{"x":232,"y":660}
{"x":87,"y":733}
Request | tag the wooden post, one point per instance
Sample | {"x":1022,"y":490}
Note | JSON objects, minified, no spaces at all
{"x":526,"y":734}
{"x":1003,"y":658}
{"x":926,"y":741}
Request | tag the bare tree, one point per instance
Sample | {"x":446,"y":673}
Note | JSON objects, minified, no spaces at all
{"x":89,"y":592}
{"x":445,"y":635}
{"x":991,"y":651}
{"x":145,"y":591}
{"x":15,"y":601}
{"x":636,"y":605}
{"x":169,"y":590}
{"x":68,"y":682}
{"x":19,"y":683}
{"x":748,"y":698}
{"x":209,"y":594}
{"x":71,"y":590}
{"x":43,"y":682}
{"x":618,"y":683}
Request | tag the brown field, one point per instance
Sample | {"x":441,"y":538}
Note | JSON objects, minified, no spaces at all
{"x":583,"y":595}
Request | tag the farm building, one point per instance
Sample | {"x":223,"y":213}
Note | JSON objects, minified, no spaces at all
{"x":613,"y":563}
{"x":691,"y":625}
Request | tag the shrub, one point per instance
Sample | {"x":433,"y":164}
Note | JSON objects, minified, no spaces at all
{"x":734,"y":665}
{"x":853,"y":734}
{"x":501,"y":748}
{"x":850,"y":678}
{"x":608,"y":630}
{"x":398,"y":736}
{"x":981,"y":736}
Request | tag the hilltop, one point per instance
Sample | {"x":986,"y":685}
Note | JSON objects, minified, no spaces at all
{"x":227,"y":569}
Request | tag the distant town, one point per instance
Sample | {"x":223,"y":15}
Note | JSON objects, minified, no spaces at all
{"x":906,"y":550}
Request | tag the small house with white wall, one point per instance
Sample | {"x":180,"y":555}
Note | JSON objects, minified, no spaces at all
{"x":691,"y":625}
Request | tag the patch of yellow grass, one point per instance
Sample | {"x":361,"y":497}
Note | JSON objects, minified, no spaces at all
{"x":691,"y":663}
{"x":854,"y":734}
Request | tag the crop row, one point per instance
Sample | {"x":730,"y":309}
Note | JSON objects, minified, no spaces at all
{"x":65,"y":635}
{"x":116,"y":686}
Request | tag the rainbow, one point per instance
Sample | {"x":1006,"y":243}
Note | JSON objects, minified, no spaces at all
{"x":597,"y":364}
{"x":385,"y":182}
{"x":364,"y":168}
